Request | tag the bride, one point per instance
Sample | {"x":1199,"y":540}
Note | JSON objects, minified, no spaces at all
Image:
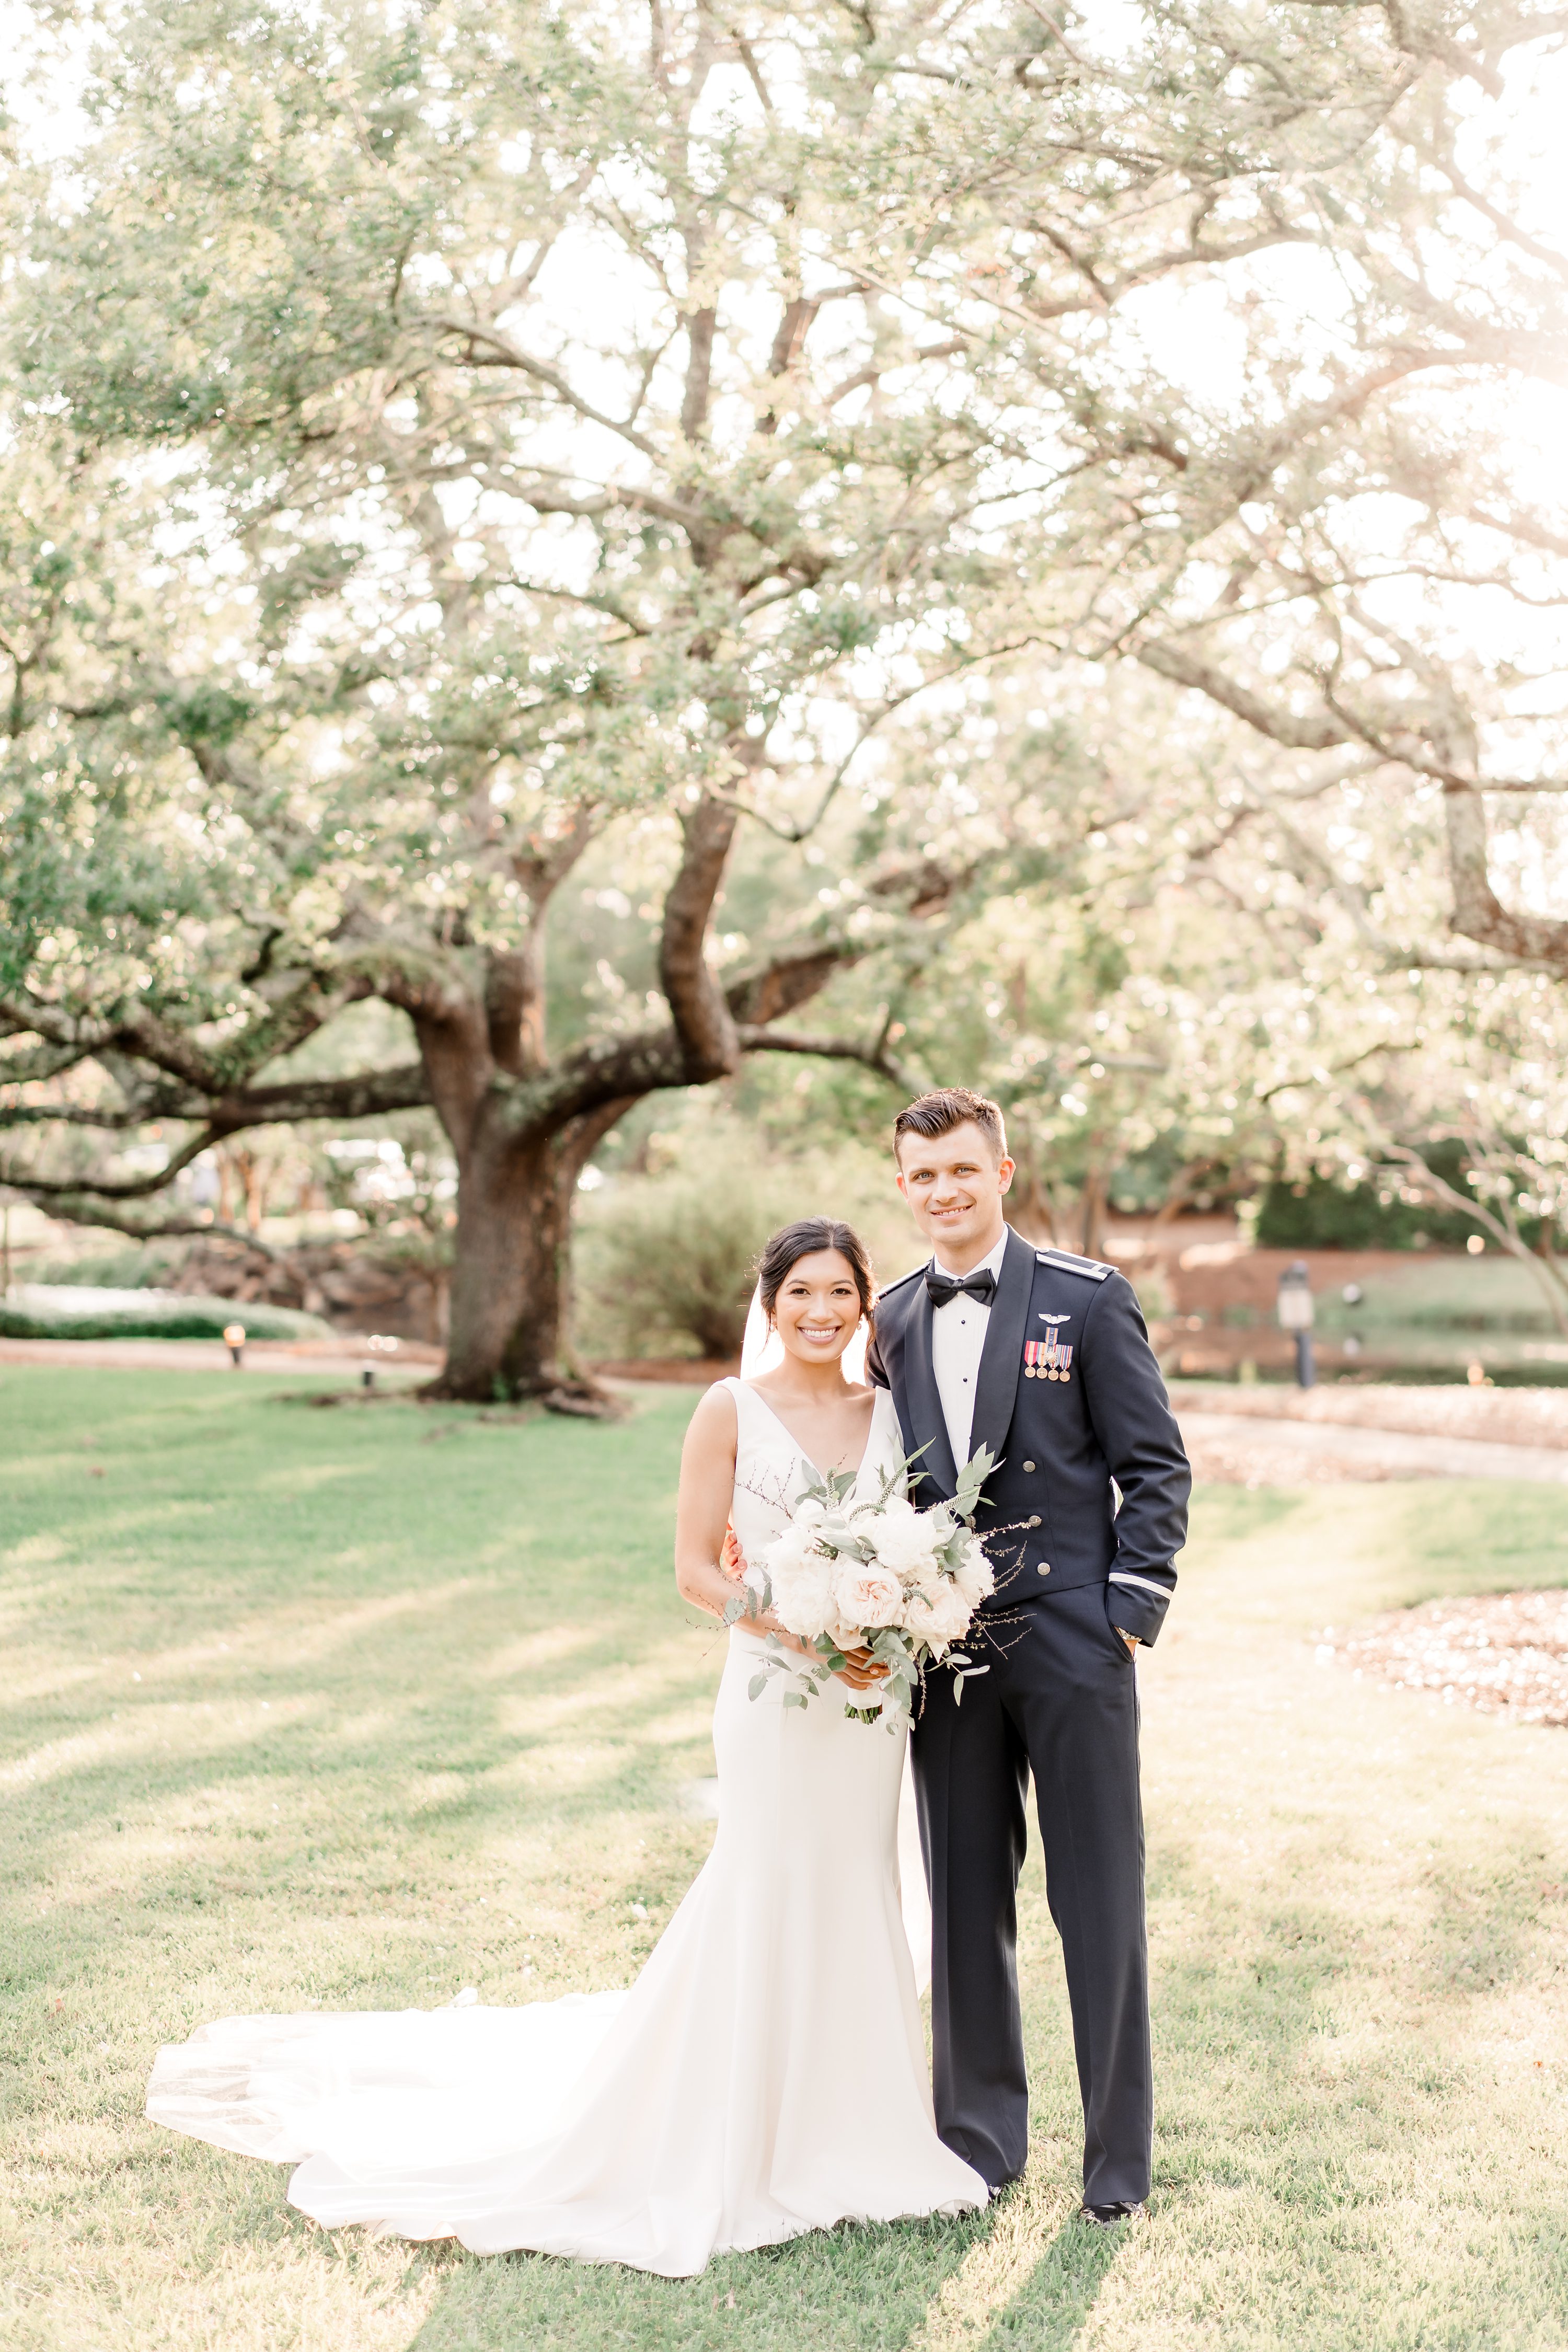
{"x":766,"y":2073}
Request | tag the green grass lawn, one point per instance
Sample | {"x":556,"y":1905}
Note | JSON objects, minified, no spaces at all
{"x":355,"y":1707}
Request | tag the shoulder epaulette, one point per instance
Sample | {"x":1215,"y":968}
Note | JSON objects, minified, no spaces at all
{"x":1092,"y":1266}
{"x":887,"y":1288}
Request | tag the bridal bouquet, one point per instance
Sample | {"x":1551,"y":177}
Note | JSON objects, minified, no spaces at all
{"x":878,"y":1576}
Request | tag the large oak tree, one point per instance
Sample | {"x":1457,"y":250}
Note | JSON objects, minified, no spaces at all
{"x":445,"y":435}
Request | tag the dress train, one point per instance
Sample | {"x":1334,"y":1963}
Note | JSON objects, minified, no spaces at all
{"x":765,"y":2074}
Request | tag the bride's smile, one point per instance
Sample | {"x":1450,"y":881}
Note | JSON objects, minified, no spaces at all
{"x":818,"y":1306}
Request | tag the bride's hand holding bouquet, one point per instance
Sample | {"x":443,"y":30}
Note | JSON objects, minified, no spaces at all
{"x":872,"y":1592}
{"x":859,"y":1669}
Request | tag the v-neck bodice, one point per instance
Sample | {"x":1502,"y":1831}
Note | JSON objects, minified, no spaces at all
{"x":782,"y":1424}
{"x":772,"y":1467}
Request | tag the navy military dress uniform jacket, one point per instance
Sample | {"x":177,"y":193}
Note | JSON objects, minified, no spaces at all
{"x":1068,"y":1395}
{"x":1049,"y":1507}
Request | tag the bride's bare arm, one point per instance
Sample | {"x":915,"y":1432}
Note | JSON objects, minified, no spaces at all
{"x":703,"y":1519}
{"x":702,"y":1514}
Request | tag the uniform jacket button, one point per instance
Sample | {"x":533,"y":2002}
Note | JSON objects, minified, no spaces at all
{"x":1035,"y":1522}
{"x":1029,"y":1466}
{"x":1045,"y":1567}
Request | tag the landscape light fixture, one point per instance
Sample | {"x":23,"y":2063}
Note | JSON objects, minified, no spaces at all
{"x":1295,"y":1316}
{"x":234,"y":1340}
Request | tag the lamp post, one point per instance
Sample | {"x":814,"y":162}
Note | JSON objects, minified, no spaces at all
{"x":234,"y":1340}
{"x":1296,"y":1316}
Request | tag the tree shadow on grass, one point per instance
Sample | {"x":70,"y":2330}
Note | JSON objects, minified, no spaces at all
{"x":1048,"y":2308}
{"x":899,"y":2289}
{"x":331,"y":1814}
{"x":1252,"y":2157}
{"x":371,"y":1736}
{"x":848,"y":2290}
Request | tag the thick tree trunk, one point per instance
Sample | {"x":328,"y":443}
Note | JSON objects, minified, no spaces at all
{"x":510,"y":1291}
{"x":483,"y":1050}
{"x":509,"y":1273}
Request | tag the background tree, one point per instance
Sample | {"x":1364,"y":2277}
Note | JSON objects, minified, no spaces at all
{"x":448,"y":446}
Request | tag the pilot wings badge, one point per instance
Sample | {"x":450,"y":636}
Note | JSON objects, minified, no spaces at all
{"x":1048,"y":1359}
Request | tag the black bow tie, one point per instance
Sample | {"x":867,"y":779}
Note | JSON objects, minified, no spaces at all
{"x":942,"y":1287}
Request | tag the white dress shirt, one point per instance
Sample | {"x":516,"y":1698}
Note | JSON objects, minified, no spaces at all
{"x":957,"y":1335}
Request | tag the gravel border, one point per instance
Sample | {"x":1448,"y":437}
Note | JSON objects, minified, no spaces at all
{"x":1505,"y":1416}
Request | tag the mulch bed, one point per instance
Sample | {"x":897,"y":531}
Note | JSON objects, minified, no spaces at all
{"x":1505,"y":1653}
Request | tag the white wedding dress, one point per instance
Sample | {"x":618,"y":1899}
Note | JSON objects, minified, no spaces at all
{"x":765,"y":2074}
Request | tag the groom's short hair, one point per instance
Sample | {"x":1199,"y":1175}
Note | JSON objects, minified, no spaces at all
{"x":938,"y":1114}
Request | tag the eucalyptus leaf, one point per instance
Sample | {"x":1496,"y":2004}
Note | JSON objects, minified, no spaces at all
{"x":971,"y":1479}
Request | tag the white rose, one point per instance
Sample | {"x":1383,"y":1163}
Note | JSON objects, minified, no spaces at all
{"x":786,"y":1550}
{"x":938,"y":1614}
{"x":867,"y":1594}
{"x":802,"y":1580}
{"x":897,"y":1507}
{"x":846,"y":1637}
{"x":974,"y":1576}
{"x":903,"y":1541}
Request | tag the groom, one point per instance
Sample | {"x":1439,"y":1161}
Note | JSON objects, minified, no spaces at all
{"x":1042,"y":1356}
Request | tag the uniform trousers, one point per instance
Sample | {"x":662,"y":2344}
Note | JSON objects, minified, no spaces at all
{"x":1061,"y":1700}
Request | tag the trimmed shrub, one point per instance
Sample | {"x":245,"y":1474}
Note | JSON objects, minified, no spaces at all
{"x":72,"y":1313}
{"x":1320,"y":1212}
{"x":665,"y":1263}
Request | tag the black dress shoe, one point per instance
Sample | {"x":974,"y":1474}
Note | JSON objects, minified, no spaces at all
{"x":1105,"y":2216}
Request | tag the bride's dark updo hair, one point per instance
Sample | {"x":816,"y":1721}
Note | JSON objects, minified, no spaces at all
{"x":804,"y":1240}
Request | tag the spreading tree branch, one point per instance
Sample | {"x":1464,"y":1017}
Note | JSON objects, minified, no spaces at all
{"x":1477,"y":913}
{"x":1298,"y":731}
{"x":1504,"y":1232}
{"x":79,"y":1208}
{"x":703,"y":1023}
{"x":873,"y":1056}
{"x":44,"y":1188}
